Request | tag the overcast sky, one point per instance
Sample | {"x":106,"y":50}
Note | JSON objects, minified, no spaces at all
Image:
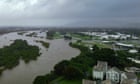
{"x":69,"y":12}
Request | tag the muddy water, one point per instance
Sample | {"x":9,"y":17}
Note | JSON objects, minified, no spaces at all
{"x":25,"y":73}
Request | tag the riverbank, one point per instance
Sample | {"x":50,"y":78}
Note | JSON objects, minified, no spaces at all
{"x":80,"y":67}
{"x":61,"y":73}
{"x":24,"y":73}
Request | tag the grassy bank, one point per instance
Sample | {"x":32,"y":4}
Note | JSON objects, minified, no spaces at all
{"x":45,"y":44}
{"x":80,"y":67}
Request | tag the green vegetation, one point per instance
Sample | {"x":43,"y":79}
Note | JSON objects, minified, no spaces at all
{"x":135,"y":43}
{"x":96,"y":37}
{"x":72,"y":71}
{"x":80,"y":67}
{"x":62,"y":80}
{"x":138,"y":75}
{"x":21,"y":33}
{"x":53,"y":35}
{"x":99,"y":44}
{"x":57,"y":35}
{"x":10,"y":55}
{"x":81,"y":36}
{"x":45,"y":44}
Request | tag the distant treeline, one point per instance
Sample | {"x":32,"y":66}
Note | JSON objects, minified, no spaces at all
{"x":135,"y":31}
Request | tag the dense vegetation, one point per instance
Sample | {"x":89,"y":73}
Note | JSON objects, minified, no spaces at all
{"x":45,"y":44}
{"x":10,"y":55}
{"x":81,"y":66}
{"x":81,"y":36}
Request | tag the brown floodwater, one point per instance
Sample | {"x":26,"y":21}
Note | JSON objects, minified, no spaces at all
{"x":25,"y":73}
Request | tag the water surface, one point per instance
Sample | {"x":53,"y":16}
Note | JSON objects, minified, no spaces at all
{"x":25,"y":73}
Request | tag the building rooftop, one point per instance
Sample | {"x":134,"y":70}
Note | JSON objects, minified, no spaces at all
{"x":130,"y":75}
{"x":133,"y":51}
{"x":115,"y":69}
{"x":132,"y":69}
{"x":125,"y":45}
{"x":101,"y":66}
{"x":127,"y":81}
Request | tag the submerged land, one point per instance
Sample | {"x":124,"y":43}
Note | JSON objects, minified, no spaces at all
{"x":120,"y":48}
{"x":116,"y":48}
{"x":19,"y":49}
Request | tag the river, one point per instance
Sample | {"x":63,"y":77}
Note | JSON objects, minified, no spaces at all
{"x":25,"y":73}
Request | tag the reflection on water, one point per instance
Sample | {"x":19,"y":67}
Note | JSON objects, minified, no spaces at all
{"x":25,"y":73}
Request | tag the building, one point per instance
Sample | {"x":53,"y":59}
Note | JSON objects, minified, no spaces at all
{"x":133,"y":51}
{"x":99,"y":70}
{"x":84,"y":81}
{"x":124,"y":46}
{"x":132,"y":69}
{"x":107,"y":82}
{"x":113,"y":74}
{"x":128,"y":78}
{"x":127,"y":81}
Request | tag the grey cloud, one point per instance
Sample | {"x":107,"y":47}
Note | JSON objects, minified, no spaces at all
{"x":70,"y":12}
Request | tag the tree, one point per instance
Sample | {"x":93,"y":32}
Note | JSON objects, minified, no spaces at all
{"x":72,"y":73}
{"x":79,"y":41}
{"x":139,"y":50}
{"x":105,"y":54}
{"x":60,"y":67}
{"x":95,"y":47}
{"x":40,"y":80}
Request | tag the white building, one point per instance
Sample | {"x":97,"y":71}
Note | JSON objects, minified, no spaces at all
{"x":133,"y":51}
{"x":99,"y":70}
{"x":113,"y":74}
{"x":128,"y":78}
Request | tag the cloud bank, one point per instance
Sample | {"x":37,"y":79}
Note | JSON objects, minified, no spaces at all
{"x":69,"y":13}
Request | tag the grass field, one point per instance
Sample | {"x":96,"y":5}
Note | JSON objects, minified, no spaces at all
{"x":81,"y":37}
{"x":61,"y":80}
{"x":99,"y":44}
{"x":57,"y":35}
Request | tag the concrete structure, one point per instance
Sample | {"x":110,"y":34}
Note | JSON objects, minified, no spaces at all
{"x":132,"y":69}
{"x":133,"y":51}
{"x":124,"y":46}
{"x":129,"y":78}
{"x":114,"y":74}
{"x":99,"y":70}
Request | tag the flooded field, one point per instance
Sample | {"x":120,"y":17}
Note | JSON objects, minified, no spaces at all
{"x":25,"y":73}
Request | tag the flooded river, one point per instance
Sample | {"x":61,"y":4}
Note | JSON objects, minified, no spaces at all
{"x":25,"y":73}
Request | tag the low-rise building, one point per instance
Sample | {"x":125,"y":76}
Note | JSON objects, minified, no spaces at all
{"x":106,"y":75}
{"x":128,"y":78}
{"x":113,"y":74}
{"x":132,"y":69}
{"x":99,"y":70}
{"x":133,"y":51}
